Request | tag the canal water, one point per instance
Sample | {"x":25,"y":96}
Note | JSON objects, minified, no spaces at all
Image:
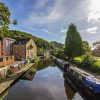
{"x":42,"y":82}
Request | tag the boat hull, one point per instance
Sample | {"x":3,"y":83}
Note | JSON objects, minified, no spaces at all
{"x":83,"y":90}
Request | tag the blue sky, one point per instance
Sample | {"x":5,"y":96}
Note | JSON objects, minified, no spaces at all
{"x":49,"y":19}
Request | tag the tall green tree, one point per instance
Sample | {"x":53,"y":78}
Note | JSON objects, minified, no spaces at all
{"x":4,"y":20}
{"x":73,"y":43}
{"x":4,"y":15}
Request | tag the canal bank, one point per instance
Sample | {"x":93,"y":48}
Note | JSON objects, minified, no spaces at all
{"x":10,"y":81}
{"x":85,"y":83}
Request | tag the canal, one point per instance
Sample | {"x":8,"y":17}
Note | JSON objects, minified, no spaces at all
{"x":42,"y":82}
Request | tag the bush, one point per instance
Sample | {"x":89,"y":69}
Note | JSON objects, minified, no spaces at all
{"x":35,"y":60}
{"x":9,"y":72}
{"x":88,"y":61}
{"x":78,"y":60}
{"x":27,"y":61}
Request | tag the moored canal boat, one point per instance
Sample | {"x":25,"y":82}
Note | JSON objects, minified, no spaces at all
{"x":85,"y":81}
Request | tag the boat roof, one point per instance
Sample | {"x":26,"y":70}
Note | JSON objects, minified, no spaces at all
{"x":81,"y":72}
{"x":88,"y":76}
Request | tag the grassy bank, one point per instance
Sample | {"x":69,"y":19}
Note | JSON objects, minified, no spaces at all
{"x":88,"y":62}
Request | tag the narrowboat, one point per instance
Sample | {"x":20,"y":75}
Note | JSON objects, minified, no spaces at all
{"x":88,"y":83}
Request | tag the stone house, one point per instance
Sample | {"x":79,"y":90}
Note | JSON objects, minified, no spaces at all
{"x":96,"y":51}
{"x":6,"y":53}
{"x":24,"y":49}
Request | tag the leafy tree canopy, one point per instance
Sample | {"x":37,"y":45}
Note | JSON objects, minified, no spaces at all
{"x":86,"y":47}
{"x":4,"y":15}
{"x":73,"y":42}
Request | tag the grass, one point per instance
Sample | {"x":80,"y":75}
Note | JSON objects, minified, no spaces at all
{"x":97,"y":58}
{"x":88,"y":62}
{"x":78,"y":59}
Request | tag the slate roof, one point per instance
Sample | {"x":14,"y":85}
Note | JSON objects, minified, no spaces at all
{"x":21,"y":41}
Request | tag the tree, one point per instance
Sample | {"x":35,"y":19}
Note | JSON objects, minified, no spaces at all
{"x":73,"y":43}
{"x":86,"y":48}
{"x":15,"y":22}
{"x":4,"y":15}
{"x":4,"y":20}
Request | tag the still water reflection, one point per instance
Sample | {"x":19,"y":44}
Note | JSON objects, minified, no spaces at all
{"x":43,"y":82}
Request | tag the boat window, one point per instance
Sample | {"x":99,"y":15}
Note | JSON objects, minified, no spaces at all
{"x":69,"y":69}
{"x":73,"y":72}
{"x":80,"y":77}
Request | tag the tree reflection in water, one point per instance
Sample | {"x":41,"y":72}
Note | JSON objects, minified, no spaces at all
{"x":70,"y":92}
{"x":43,"y":63}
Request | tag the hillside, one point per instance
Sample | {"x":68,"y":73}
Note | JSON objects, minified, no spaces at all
{"x":41,"y":43}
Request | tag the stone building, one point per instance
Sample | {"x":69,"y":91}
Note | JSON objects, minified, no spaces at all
{"x":6,"y":53}
{"x":24,"y":48}
{"x":96,"y":51}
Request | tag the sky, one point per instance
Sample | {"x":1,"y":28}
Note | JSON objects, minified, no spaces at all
{"x":49,"y":19}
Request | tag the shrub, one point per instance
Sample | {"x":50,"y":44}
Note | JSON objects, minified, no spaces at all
{"x":27,"y":61}
{"x":35,"y":60}
{"x":78,"y":59}
{"x":9,"y":72}
{"x":88,"y":61}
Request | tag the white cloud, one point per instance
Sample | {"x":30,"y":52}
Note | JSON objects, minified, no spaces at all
{"x":28,"y":27}
{"x":63,"y":30}
{"x":47,"y":31}
{"x":35,"y":29}
{"x":94,"y":14}
{"x":92,"y":30}
{"x":61,"y":10}
{"x":52,"y":16}
{"x":40,"y":4}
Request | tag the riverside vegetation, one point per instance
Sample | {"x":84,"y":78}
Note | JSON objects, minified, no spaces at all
{"x":78,"y":52}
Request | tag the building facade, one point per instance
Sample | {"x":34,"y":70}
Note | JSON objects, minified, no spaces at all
{"x":6,"y":53}
{"x":7,"y":46}
{"x":96,"y":51}
{"x":24,"y":48}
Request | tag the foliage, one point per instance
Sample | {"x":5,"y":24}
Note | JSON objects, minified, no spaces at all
{"x":78,"y":60}
{"x":57,"y":45}
{"x":9,"y":72}
{"x":15,"y":22}
{"x":73,"y":43}
{"x":4,"y":20}
{"x":27,"y":61}
{"x":59,"y":53}
{"x":86,"y":48}
{"x":88,"y":62}
{"x":4,"y":15}
{"x":35,"y":59}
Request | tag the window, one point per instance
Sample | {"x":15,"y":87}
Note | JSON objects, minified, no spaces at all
{"x":10,"y":58}
{"x":6,"y":58}
{"x":7,"y":43}
{"x":1,"y":59}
